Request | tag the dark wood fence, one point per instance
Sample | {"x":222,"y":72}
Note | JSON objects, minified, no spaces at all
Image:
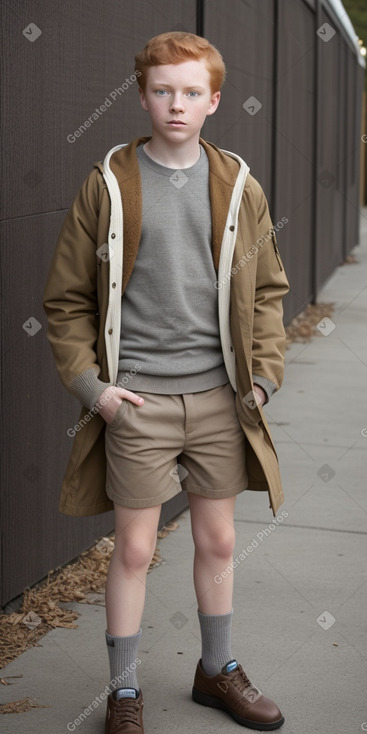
{"x":60,"y":63}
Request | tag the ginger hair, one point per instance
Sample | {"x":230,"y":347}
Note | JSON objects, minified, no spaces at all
{"x":175,"y":47}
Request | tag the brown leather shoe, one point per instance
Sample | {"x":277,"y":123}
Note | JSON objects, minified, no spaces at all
{"x":232,"y":691}
{"x":124,"y":712}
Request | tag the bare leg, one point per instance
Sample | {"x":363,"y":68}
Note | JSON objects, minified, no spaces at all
{"x":135,"y":542}
{"x":214,"y":537}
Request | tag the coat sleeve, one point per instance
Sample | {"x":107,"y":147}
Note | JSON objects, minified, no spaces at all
{"x":70,"y":297}
{"x":269,"y":342}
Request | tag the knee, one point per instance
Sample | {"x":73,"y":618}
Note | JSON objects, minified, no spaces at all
{"x":218,"y":542}
{"x":135,"y":553}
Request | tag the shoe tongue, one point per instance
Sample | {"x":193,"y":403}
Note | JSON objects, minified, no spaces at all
{"x":229,"y":667}
{"x":125,"y":693}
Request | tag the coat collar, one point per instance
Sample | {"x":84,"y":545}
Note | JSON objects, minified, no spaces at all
{"x":124,"y":165}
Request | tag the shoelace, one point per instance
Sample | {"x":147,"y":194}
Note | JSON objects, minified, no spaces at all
{"x":240,"y":679}
{"x":126,"y":712}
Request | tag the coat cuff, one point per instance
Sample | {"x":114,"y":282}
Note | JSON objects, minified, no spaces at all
{"x":267,"y":385}
{"x":88,"y":388}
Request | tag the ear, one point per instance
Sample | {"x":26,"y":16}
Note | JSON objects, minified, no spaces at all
{"x":214,"y":102}
{"x":142,"y":99}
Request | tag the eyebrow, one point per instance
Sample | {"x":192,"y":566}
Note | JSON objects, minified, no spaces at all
{"x":192,"y":86}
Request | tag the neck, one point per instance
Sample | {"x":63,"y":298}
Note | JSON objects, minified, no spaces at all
{"x":173,"y":155}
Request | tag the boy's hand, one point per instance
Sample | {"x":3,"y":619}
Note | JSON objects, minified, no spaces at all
{"x":111,"y":398}
{"x":261,"y":393}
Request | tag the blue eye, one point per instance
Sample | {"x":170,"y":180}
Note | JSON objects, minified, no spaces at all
{"x":161,"y":92}
{"x":195,"y":93}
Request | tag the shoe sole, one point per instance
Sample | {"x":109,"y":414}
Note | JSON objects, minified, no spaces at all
{"x":205,"y":700}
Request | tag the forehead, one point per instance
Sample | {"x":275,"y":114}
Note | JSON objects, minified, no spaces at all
{"x":187,"y":73}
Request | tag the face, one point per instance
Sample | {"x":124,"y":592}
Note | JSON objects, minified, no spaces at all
{"x":178,"y":99}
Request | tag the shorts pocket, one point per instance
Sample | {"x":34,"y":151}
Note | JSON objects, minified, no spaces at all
{"x":118,"y":415}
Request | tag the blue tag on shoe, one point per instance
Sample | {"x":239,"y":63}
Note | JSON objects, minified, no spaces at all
{"x":125,"y":693}
{"x":232,"y":665}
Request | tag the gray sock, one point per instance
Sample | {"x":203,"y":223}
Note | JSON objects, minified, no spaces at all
{"x":122,"y":653}
{"x":215,"y":640}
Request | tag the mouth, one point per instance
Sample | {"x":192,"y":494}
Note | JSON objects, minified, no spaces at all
{"x":176,"y":122}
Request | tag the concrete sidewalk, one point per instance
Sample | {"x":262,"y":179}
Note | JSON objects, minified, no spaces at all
{"x":299,"y":626}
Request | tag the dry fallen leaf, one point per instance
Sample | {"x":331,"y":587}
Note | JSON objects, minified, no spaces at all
{"x":4,"y":681}
{"x":350,"y":260}
{"x":15,"y":618}
{"x":171,"y":526}
{"x":74,"y":582}
{"x":20,"y":707}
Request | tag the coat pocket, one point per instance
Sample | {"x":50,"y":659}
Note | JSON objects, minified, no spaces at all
{"x":248,"y":409}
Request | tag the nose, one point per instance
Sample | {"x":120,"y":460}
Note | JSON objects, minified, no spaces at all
{"x":177,"y":103}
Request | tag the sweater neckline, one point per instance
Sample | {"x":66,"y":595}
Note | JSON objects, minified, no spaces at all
{"x":164,"y":170}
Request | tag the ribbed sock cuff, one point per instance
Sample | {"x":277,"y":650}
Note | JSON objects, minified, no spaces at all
{"x":216,"y":641}
{"x":122,"y":653}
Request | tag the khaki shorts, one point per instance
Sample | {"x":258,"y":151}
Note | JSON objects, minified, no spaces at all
{"x":192,"y":442}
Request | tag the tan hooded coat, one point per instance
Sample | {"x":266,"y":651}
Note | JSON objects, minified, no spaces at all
{"x":83,"y":304}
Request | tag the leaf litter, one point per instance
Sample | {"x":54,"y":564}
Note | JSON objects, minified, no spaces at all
{"x":81,"y":581}
{"x":304,"y":326}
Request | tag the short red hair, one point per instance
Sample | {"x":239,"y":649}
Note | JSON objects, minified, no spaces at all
{"x":175,"y":47}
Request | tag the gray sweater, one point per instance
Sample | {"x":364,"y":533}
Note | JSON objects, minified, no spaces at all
{"x":169,"y":312}
{"x":169,"y":328}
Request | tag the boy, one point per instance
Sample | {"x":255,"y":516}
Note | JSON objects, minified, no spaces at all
{"x":167,"y":278}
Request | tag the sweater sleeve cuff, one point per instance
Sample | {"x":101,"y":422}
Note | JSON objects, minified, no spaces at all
{"x":88,"y":388}
{"x":267,"y":385}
